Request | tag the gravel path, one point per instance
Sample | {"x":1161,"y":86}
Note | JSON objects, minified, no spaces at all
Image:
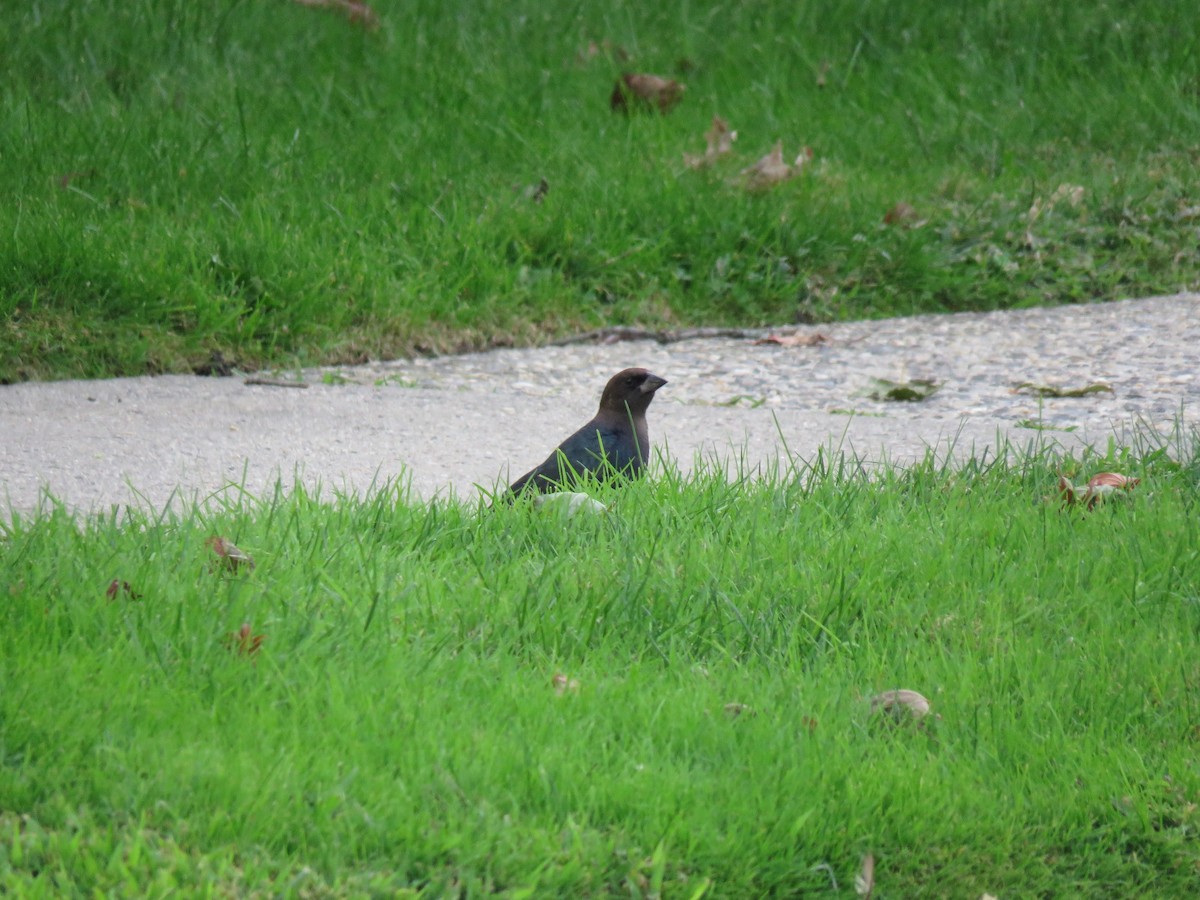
{"x":451,"y":423}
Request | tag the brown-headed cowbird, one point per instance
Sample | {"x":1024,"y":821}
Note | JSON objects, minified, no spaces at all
{"x":614,"y":441}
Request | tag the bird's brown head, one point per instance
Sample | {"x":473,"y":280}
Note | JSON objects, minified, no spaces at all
{"x":631,"y":389}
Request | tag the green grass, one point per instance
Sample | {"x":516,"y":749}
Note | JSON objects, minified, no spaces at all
{"x":277,"y":184}
{"x":398,"y":731}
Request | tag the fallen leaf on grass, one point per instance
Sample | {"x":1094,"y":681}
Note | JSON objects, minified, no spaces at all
{"x":64,"y":181}
{"x":564,"y":685}
{"x":864,"y":881}
{"x":1050,"y":390}
{"x":901,"y":214}
{"x":733,"y":710}
{"x":796,"y":339}
{"x":771,"y":169}
{"x":903,"y":391}
{"x":633,"y":92}
{"x":569,"y":503}
{"x":536,"y":193}
{"x":243,"y":641}
{"x":719,"y":140}
{"x":229,"y":554}
{"x":117,"y":588}
{"x":822,"y":71}
{"x":354,"y":10}
{"x":604,"y":48}
{"x":901,"y":705}
{"x":1068,"y":194}
{"x":1106,"y":482}
{"x":1099,"y":487}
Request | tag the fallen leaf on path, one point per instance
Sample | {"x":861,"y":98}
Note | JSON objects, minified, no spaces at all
{"x":797,"y":339}
{"x":901,"y":705}
{"x":1050,"y":390}
{"x":633,"y":92}
{"x":903,"y":391}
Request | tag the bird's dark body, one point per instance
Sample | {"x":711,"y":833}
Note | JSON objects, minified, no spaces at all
{"x":615,"y":441}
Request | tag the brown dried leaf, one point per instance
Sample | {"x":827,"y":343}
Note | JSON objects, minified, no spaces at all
{"x":864,"y":881}
{"x":796,"y":339}
{"x":633,"y":92}
{"x":1098,"y":488}
{"x":771,"y":169}
{"x":900,"y":214}
{"x":1112,"y":481}
{"x":901,"y":705}
{"x":536,"y":193}
{"x":1105,"y":484}
{"x":243,"y":641}
{"x":1071,"y":194}
{"x":355,"y":11}
{"x":719,"y":140}
{"x":822,"y":71}
{"x":64,"y":181}
{"x":733,"y":710}
{"x":564,"y":685}
{"x":117,"y":587}
{"x":229,"y":554}
{"x":605,"y":48}
{"x":1066,"y":490}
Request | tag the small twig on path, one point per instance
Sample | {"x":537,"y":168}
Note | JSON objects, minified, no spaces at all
{"x":620,"y":333}
{"x":274,"y":382}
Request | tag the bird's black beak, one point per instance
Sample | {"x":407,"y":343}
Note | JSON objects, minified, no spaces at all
{"x":652,"y":384}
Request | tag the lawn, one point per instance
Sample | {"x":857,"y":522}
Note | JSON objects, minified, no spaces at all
{"x":668,"y":699}
{"x":189,"y":183}
{"x":672,"y":698}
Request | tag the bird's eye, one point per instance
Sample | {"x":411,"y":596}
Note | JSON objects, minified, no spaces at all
{"x":631,"y":380}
